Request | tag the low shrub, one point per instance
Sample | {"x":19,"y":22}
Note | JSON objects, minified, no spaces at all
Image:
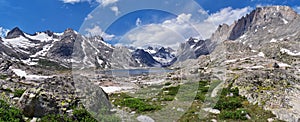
{"x":10,"y":114}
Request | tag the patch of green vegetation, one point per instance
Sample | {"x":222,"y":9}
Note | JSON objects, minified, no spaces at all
{"x":168,"y":93}
{"x":56,"y":118}
{"x":3,"y":77}
{"x":235,"y":115}
{"x":9,"y":114}
{"x":171,"y":90}
{"x":18,"y":92}
{"x":232,"y":106}
{"x":51,"y":65}
{"x":139,"y":105}
{"x":196,"y":91}
{"x":104,"y":115}
{"x":229,"y":100}
{"x":82,"y":115}
{"x":261,"y":88}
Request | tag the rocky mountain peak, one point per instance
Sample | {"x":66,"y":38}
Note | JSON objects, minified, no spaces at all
{"x":69,"y":32}
{"x":15,"y":32}
{"x":162,"y":49}
{"x":98,"y":38}
{"x":150,"y":48}
{"x":49,"y":33}
{"x":276,"y":11}
{"x":191,"y":41}
{"x":261,"y":17}
{"x":222,"y":33}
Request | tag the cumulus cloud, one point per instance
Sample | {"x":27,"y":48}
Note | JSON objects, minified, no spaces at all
{"x":202,"y":11}
{"x":115,"y":9}
{"x":150,"y":35}
{"x":3,"y":32}
{"x":228,"y":15}
{"x":97,"y":31}
{"x":174,"y":31}
{"x":169,"y":33}
{"x":106,"y":2}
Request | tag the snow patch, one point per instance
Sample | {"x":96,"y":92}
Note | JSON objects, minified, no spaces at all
{"x":261,"y":54}
{"x":273,"y":40}
{"x":19,"y":72}
{"x":230,"y":61}
{"x":283,"y":50}
{"x":59,"y":34}
{"x":99,"y":61}
{"x":255,"y":67}
{"x":264,"y":28}
{"x":29,"y":62}
{"x":150,"y":51}
{"x":254,"y":51}
{"x":20,"y":42}
{"x":283,"y":65}
{"x":22,"y":73}
{"x":243,"y":36}
{"x":285,"y":21}
{"x":211,"y":110}
{"x":43,"y":37}
{"x":113,"y":89}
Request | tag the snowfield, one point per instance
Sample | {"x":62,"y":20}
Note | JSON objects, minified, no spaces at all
{"x":22,"y":73}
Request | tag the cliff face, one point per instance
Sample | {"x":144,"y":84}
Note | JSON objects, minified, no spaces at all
{"x":262,"y":16}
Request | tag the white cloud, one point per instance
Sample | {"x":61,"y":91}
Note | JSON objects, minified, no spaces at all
{"x":106,"y":2}
{"x":138,"y":22}
{"x":174,"y":31}
{"x":3,"y":32}
{"x":89,"y":16}
{"x":115,"y":9}
{"x":169,"y":33}
{"x":228,"y":15}
{"x":97,"y":31}
{"x":183,"y":18}
{"x":202,"y":11}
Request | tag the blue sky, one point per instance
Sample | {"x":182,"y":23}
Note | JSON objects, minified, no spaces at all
{"x":57,"y":15}
{"x":39,"y":15}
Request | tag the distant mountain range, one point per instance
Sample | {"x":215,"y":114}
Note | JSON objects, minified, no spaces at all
{"x":73,"y":49}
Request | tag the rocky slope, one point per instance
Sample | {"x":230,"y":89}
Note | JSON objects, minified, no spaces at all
{"x":40,"y":92}
{"x":259,"y":54}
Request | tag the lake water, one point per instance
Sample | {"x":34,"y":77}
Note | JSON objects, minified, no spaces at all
{"x":134,"y":72}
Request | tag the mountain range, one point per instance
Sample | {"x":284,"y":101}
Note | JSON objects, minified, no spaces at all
{"x":73,"y":49}
{"x":259,"y":54}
